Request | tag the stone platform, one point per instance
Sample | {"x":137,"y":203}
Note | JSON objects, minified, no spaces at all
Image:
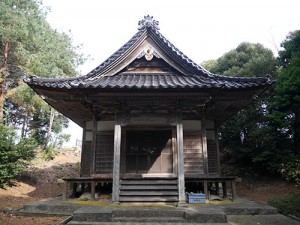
{"x":100,"y":213}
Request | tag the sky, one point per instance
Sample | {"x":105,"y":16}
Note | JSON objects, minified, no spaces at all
{"x":202,"y":30}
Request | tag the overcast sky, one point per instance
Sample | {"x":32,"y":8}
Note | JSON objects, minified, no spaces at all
{"x":203,"y":30}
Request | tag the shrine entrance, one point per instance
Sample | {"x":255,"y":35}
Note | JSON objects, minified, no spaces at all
{"x":149,"y":152}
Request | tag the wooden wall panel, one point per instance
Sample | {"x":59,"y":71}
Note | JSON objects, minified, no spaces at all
{"x":86,"y":158}
{"x":193,"y":156}
{"x":212,"y":152}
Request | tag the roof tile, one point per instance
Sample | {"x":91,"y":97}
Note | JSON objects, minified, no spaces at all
{"x":198,"y":77}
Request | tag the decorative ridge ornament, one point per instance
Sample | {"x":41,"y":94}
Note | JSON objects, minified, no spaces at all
{"x":148,"y":22}
{"x":148,"y":52}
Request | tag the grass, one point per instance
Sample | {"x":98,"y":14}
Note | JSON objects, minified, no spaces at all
{"x":287,"y":204}
{"x":123,"y":205}
{"x":147,"y":205}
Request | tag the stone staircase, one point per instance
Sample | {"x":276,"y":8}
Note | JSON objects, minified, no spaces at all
{"x":148,"y":190}
{"x":153,"y":216}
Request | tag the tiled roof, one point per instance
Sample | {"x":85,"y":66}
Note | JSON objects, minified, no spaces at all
{"x":151,"y":81}
{"x":196,"y":76}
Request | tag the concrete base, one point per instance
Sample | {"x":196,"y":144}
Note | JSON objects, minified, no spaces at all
{"x":87,"y":213}
{"x":147,"y":215}
{"x":94,"y":214}
{"x":206,"y":215}
{"x":49,"y":207}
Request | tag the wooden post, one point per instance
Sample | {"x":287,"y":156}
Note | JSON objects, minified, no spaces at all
{"x":204,"y":146}
{"x":82,"y":150}
{"x":116,"y":168}
{"x":205,"y":187}
{"x":233,"y":189}
{"x":94,"y":145}
{"x":224,"y":185}
{"x":218,"y":150}
{"x":93,"y":190}
{"x":65,"y":194}
{"x":180,"y":155}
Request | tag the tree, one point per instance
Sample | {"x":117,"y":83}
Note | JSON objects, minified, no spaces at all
{"x":248,"y":137}
{"x":288,"y":87}
{"x":30,"y":46}
{"x":14,"y":154}
{"x":247,"y":60}
{"x":17,"y":19}
{"x":286,"y":106}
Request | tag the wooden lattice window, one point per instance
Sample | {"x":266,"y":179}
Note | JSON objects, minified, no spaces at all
{"x":212,"y":152}
{"x":104,"y":154}
{"x":193,"y":156}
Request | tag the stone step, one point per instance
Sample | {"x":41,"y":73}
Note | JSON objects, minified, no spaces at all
{"x":250,"y":210}
{"x":92,"y":214}
{"x":176,"y":215}
{"x":138,"y":223}
{"x":149,"y":212}
{"x":150,"y":219}
{"x":49,"y":207}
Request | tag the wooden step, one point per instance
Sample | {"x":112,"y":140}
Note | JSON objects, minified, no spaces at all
{"x":149,"y":187}
{"x":154,"y":182}
{"x":148,"y":190}
{"x":148,"y":199}
{"x":149,"y":193}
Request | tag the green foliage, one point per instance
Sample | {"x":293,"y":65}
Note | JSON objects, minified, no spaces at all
{"x":33,"y":48}
{"x":251,"y":137}
{"x":247,"y":60}
{"x":291,"y":46}
{"x":287,"y":204}
{"x":49,"y":153}
{"x":287,"y":99}
{"x":14,"y":155}
{"x":51,"y":150}
{"x":266,"y":133}
{"x":285,"y":108}
{"x":290,"y":170}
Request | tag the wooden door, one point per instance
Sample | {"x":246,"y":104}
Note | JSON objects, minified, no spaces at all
{"x":149,"y":151}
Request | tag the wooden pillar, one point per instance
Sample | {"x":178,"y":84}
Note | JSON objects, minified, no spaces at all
{"x":205,"y":187}
{"x":180,"y":162}
{"x":224,"y":186}
{"x":65,"y":194}
{"x":204,"y":146}
{"x":93,"y":189}
{"x":218,"y":150}
{"x":116,"y":168}
{"x":233,"y":189}
{"x":83,"y":150}
{"x":94,"y":145}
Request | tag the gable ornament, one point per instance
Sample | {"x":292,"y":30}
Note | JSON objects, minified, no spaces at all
{"x":148,"y":22}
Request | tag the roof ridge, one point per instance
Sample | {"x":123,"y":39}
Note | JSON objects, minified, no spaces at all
{"x":149,"y":28}
{"x":183,"y":56}
{"x":115,"y":55}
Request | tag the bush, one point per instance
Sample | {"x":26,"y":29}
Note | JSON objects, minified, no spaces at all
{"x":49,"y":153}
{"x":291,"y":169}
{"x":14,"y":155}
{"x":287,"y":204}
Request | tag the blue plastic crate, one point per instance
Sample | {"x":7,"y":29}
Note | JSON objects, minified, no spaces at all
{"x":196,"y":198}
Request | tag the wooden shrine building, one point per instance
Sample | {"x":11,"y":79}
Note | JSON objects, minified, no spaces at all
{"x":149,"y":116}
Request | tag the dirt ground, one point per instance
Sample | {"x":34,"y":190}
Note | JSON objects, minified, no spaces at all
{"x":40,"y":182}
